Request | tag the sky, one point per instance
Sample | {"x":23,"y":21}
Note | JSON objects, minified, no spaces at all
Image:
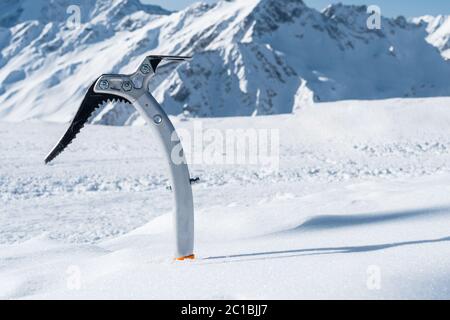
{"x":390,"y":8}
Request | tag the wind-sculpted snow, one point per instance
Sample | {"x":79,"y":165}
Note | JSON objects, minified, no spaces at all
{"x":391,"y":141}
{"x":352,"y":200}
{"x":251,"y":57}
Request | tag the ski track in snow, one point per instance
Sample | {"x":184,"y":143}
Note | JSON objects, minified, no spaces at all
{"x":361,"y":185}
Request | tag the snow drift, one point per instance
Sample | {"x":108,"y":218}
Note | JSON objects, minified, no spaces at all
{"x":352,"y":199}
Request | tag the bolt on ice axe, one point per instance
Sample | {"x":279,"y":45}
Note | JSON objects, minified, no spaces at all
{"x":134,"y":90}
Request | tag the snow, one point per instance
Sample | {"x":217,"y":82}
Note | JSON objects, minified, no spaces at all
{"x":438,"y":29}
{"x":243,"y":56}
{"x":359,"y":208}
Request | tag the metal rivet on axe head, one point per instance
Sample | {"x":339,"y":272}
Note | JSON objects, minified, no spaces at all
{"x":104,"y":84}
{"x":145,"y":68}
{"x":127,"y":86}
{"x":157,"y":119}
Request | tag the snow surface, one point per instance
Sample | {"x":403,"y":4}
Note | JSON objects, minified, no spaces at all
{"x":363,"y":187}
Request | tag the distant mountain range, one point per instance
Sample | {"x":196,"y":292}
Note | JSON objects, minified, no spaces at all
{"x":251,"y":57}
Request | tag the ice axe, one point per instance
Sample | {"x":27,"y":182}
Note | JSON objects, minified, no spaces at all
{"x":134,"y":90}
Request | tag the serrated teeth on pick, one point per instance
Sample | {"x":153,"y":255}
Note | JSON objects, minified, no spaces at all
{"x":115,"y":100}
{"x":91,"y":102}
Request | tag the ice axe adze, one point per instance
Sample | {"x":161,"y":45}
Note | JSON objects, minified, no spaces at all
{"x":134,"y":90}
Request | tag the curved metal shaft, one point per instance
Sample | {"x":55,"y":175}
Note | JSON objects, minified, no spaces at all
{"x":155,"y":116}
{"x":134,"y":88}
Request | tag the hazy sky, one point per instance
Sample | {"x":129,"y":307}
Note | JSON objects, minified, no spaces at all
{"x":409,"y":8}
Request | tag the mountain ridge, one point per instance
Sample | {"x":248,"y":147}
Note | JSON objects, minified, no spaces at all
{"x":252,"y":57}
{"x":438,"y":28}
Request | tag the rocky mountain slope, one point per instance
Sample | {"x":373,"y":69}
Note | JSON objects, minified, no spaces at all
{"x":253,"y":57}
{"x":439,"y":32}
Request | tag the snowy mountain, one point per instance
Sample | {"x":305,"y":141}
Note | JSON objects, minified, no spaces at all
{"x":438,"y":29}
{"x":13,"y":12}
{"x":253,"y":57}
